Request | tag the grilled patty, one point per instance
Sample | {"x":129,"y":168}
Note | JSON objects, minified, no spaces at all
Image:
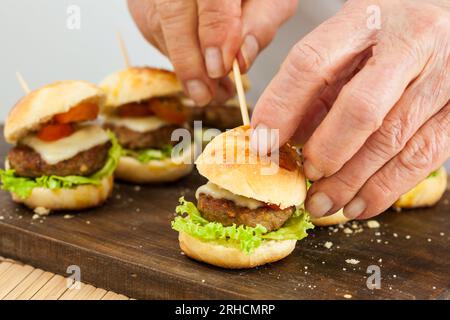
{"x":217,"y":116}
{"x":227,"y":212}
{"x":28,"y":163}
{"x":130,"y":139}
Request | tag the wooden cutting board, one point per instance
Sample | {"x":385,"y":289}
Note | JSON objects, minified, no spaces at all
{"x":128,"y":246}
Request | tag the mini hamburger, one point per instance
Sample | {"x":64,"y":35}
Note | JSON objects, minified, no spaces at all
{"x":427,"y":193}
{"x":61,"y":160}
{"x":143,"y":109}
{"x":243,"y":218}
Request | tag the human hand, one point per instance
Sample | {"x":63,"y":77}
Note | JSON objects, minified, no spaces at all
{"x":372,"y":104}
{"x":203,"y":37}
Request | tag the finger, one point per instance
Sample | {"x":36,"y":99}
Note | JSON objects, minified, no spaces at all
{"x":146,"y":16}
{"x":225,"y":90}
{"x":179,"y":25}
{"x":359,"y":110}
{"x":425,"y":152}
{"x":310,"y":66}
{"x":423,"y":99}
{"x":260,"y":21}
{"x":220,"y":34}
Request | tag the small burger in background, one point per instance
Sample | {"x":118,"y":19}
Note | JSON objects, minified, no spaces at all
{"x":143,"y":109}
{"x":248,"y":214}
{"x":61,"y":160}
{"x":215,"y":115}
{"x":427,"y":193}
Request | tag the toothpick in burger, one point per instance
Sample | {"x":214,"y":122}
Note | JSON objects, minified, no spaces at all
{"x":61,"y":159}
{"x":143,"y":109}
{"x":247,"y":214}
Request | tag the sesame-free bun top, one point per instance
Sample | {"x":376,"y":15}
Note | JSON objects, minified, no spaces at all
{"x":136,"y":84}
{"x":228,"y":162}
{"x":39,"y":106}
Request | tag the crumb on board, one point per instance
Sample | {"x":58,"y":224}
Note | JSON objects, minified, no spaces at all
{"x":352,"y":261}
{"x":407,"y":237}
{"x":2,"y":217}
{"x":137,"y":188}
{"x":35,"y":216}
{"x":328,"y":244}
{"x":347,"y":296}
{"x":373,"y":224}
{"x":68,"y":216}
{"x":41,"y":211}
{"x":442,"y":234}
{"x":348,"y":231}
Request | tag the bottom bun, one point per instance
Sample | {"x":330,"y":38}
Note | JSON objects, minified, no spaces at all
{"x":78,"y":198}
{"x":335,"y":218}
{"x":427,"y":193}
{"x":231,"y":257}
{"x":167,"y":170}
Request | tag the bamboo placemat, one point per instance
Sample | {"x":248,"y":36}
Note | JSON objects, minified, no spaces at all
{"x":23,"y":282}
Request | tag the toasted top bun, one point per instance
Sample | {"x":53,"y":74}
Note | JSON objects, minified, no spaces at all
{"x":40,"y":105}
{"x":137,"y":84}
{"x":228,"y":162}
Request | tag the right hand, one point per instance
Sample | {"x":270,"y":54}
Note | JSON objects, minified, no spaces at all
{"x":203,"y":37}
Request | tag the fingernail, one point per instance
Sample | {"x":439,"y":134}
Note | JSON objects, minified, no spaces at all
{"x":355,"y":208}
{"x":249,"y":50}
{"x":311,"y":172}
{"x":214,"y":62}
{"x":319,"y":204}
{"x":198,"y":92}
{"x":263,"y":139}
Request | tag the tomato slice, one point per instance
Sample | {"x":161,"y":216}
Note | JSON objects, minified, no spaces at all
{"x":83,"y":112}
{"x":169,"y":109}
{"x":273,"y":206}
{"x":134,"y":110}
{"x":55,"y":131}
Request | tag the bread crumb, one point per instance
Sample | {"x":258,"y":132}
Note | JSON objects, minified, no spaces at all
{"x":347,"y":296}
{"x":2,"y":217}
{"x":137,"y":188}
{"x":352,"y":261}
{"x":348,"y":231}
{"x":42,"y":211}
{"x":408,"y":237}
{"x":328,"y":244}
{"x":441,"y":234}
{"x":68,"y":216}
{"x":35,"y":216}
{"x":429,"y":240}
{"x":395,"y":235}
{"x":373,"y":224}
{"x":88,"y":222}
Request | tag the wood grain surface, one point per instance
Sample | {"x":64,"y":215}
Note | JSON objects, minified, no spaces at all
{"x":127,"y":246}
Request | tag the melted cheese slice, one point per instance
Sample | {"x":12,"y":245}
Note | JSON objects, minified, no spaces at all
{"x":83,"y":139}
{"x":138,"y":124}
{"x":217,"y":192}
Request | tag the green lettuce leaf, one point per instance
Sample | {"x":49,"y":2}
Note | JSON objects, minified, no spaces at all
{"x":147,"y":155}
{"x":23,"y":187}
{"x":247,"y":239}
{"x":433,"y":174}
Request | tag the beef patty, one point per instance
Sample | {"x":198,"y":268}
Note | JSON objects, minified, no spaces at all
{"x":133,"y":140}
{"x":28,"y":163}
{"x":217,"y":116}
{"x":227,"y":212}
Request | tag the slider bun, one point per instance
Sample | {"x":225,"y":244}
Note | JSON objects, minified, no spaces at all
{"x":427,"y":193}
{"x":137,"y":84}
{"x":78,"y":198}
{"x":40,"y":105}
{"x":132,"y":170}
{"x":246,"y":178}
{"x":333,"y":219}
{"x":232,"y":258}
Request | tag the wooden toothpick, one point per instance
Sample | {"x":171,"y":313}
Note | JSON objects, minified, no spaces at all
{"x":241,"y":93}
{"x":123,"y":49}
{"x":22,"y":83}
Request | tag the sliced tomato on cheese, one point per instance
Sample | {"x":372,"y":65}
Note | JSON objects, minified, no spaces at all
{"x":169,"y":109}
{"x":55,"y":131}
{"x":135,"y":110}
{"x":83,"y":112}
{"x":273,"y":206}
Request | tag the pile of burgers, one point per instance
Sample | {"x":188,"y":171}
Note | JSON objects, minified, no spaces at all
{"x":65,"y":159}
